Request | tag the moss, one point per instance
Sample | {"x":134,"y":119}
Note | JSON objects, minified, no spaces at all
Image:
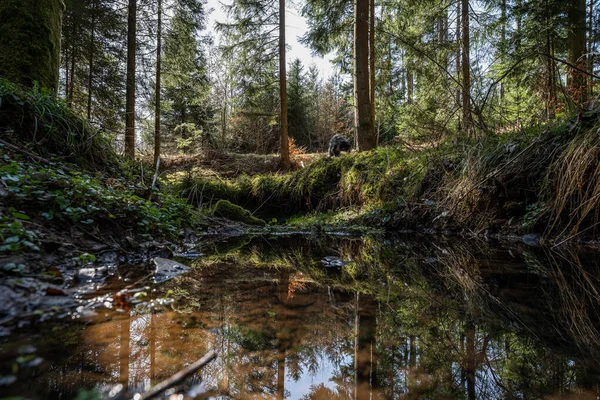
{"x":30,"y":34}
{"x":353,"y":180}
{"x":228,"y":210}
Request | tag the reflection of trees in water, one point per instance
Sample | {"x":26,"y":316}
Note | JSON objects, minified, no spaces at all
{"x":402,"y":320}
{"x":490,"y":325}
{"x":451,"y":321}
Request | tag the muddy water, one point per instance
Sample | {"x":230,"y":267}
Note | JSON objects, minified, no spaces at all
{"x":333,"y":318}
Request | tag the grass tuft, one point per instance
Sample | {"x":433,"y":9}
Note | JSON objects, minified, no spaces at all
{"x":35,"y":121}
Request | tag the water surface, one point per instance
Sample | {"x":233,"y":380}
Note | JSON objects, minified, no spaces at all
{"x":334,"y":318}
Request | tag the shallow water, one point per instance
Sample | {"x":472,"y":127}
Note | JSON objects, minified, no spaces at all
{"x":334,"y":318}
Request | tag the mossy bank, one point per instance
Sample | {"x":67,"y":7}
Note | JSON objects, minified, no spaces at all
{"x":540,"y":180}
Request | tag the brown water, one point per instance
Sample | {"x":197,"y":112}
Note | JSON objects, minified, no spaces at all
{"x":426,"y":318}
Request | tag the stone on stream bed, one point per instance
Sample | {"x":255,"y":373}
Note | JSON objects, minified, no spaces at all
{"x":167,"y":269}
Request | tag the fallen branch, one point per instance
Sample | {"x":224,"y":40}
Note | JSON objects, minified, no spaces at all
{"x":178,"y":377}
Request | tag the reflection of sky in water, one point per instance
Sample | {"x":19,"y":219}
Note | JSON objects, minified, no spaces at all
{"x":323,"y":376}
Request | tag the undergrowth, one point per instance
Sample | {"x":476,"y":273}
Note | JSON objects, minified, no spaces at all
{"x":48,"y":128}
{"x":55,"y":196}
{"x":541,"y":179}
{"x":353,"y":180}
{"x":59,"y":175}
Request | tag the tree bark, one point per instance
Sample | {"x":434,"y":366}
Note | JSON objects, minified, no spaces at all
{"x":30,"y":34}
{"x":130,"y":90}
{"x":590,"y":43}
{"x":466,"y":69}
{"x":409,"y":83}
{"x":72,"y":66}
{"x":372,"y":60}
{"x":551,"y":86}
{"x":157,"y":94}
{"x":364,"y":127}
{"x":576,"y":81}
{"x":284,"y":145}
{"x":91,"y":62}
{"x":458,"y":65}
{"x":502,"y":44}
{"x":66,"y":55}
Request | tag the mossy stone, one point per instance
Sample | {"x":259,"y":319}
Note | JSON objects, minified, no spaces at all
{"x":231,"y":211}
{"x":30,"y":34}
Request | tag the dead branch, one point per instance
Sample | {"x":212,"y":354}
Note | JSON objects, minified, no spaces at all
{"x":178,"y":377}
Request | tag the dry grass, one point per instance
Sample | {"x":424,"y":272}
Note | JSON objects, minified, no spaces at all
{"x":211,"y":163}
{"x":575,"y":182}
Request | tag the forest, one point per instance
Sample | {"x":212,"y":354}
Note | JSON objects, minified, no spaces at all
{"x":463,"y":116}
{"x":450,"y":145}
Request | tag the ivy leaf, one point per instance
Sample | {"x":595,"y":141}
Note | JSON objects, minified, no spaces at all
{"x":21,"y":216}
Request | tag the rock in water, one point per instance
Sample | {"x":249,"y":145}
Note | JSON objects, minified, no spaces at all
{"x":167,"y":269}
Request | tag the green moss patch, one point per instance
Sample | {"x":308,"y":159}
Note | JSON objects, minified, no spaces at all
{"x":228,"y":210}
{"x":30,"y":35}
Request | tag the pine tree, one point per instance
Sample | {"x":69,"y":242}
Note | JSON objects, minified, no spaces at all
{"x":284,"y":149}
{"x":157,"y":87}
{"x":365,"y":135}
{"x":298,"y":111}
{"x":92,"y":78}
{"x":130,"y":95}
{"x":252,"y":38}
{"x":577,"y":80}
{"x":185,"y":87}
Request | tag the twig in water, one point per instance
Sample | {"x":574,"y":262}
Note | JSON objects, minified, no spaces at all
{"x":178,"y":377}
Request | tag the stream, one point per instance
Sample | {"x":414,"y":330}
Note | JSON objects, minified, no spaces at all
{"x":330,"y":317}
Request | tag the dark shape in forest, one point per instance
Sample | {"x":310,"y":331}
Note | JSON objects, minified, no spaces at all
{"x":337,"y":144}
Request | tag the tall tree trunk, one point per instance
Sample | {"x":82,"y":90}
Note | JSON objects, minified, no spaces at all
{"x":466,"y":69}
{"x":458,"y":64}
{"x":470,"y":362}
{"x":157,"y":94}
{"x":66,"y":51}
{"x":590,"y":46}
{"x":364,"y":127}
{"x":72,"y":66}
{"x":91,"y":61}
{"x":551,"y":93}
{"x":30,"y":34}
{"x":410,"y":87}
{"x":442,"y":31}
{"x":224,"y":119}
{"x":503,"y":44}
{"x":372,"y":60}
{"x":284,"y":145}
{"x":130,"y":91}
{"x":576,"y":81}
